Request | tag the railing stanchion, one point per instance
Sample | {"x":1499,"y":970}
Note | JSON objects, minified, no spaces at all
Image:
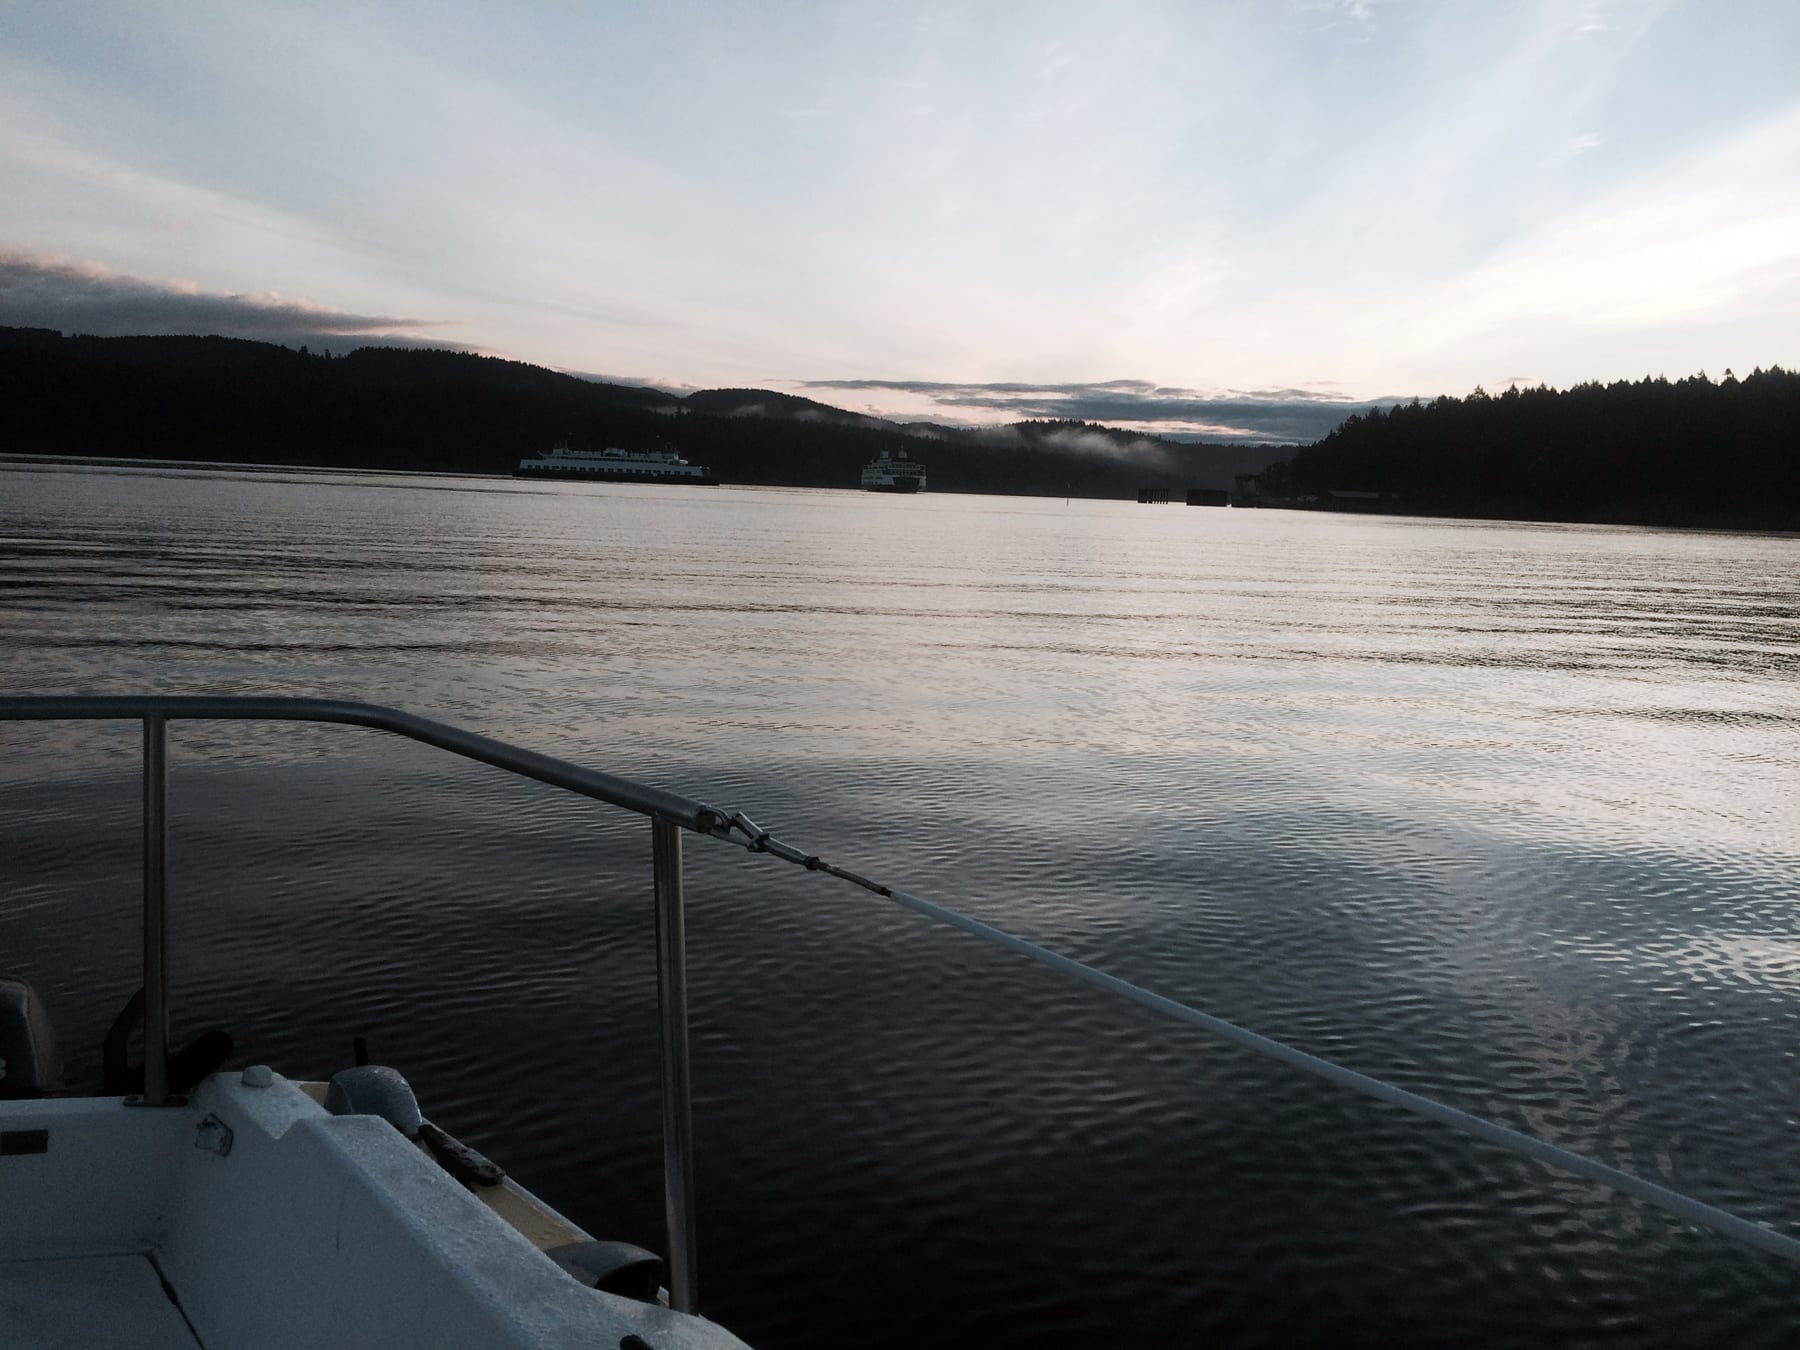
{"x":156,"y":958}
{"x":677,"y":1104}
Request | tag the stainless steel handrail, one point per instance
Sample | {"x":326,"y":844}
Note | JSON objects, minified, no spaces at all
{"x":156,"y":911}
{"x":677,"y":1104}
{"x":668,"y":813}
{"x":605,"y":787}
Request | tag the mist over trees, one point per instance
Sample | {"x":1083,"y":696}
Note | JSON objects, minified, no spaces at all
{"x":1693,"y":451}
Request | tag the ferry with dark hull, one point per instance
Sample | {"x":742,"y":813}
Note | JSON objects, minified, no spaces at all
{"x":889,"y":472}
{"x":613,"y":465}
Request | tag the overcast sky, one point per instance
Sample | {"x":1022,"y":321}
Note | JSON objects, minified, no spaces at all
{"x":1182,"y":212}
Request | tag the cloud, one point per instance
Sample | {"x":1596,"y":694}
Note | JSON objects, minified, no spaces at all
{"x":1706,"y":239}
{"x":43,"y":291}
{"x":1356,"y":15}
{"x":1263,"y":416}
{"x":678,"y":388}
{"x":1081,"y":441}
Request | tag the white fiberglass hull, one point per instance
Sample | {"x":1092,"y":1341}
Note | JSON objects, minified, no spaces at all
{"x":251,"y":1217}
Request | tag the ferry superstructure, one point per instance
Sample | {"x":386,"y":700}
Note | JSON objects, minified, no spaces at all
{"x":889,"y":472}
{"x":613,"y":465}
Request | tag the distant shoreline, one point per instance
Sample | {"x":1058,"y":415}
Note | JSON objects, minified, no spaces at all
{"x":28,"y":461}
{"x":1684,"y":454}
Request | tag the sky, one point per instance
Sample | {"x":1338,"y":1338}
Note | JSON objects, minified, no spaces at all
{"x":1231,"y":219}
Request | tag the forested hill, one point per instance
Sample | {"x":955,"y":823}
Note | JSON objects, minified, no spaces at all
{"x":1689,"y":452}
{"x":225,"y":399}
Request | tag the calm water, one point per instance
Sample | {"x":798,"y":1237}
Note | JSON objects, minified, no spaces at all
{"x":1508,"y":814}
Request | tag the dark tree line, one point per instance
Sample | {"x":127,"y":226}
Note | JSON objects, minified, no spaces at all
{"x":1692,"y":451}
{"x":215,"y":399}
{"x":221,"y":399}
{"x":1688,"y":452}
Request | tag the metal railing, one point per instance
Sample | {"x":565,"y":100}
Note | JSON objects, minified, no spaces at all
{"x":669,"y":814}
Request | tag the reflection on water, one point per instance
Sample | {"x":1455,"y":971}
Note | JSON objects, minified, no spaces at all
{"x":1505,"y":813}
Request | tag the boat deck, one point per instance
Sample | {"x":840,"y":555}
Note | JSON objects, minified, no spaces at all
{"x":250,"y":1217}
{"x":85,"y":1302}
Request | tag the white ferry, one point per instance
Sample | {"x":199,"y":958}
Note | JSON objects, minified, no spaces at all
{"x":613,"y":465}
{"x":889,"y":472}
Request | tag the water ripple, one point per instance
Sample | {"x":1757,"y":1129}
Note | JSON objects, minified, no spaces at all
{"x":1502,"y":813}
